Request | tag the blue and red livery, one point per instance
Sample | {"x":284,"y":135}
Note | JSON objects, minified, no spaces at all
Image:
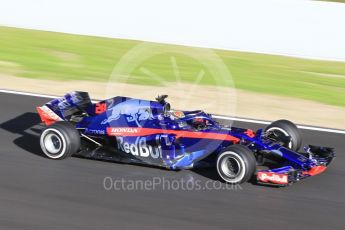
{"x":138,"y":131}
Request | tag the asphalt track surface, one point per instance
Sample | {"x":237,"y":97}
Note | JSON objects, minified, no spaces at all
{"x":38,"y":193}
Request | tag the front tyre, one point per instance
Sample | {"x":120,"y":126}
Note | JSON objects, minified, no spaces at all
{"x":236,"y":164}
{"x":60,"y":140}
{"x":282,"y":129}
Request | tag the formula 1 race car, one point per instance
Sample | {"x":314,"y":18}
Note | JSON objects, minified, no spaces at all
{"x":138,"y":131}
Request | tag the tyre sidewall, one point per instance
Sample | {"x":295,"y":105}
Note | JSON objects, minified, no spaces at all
{"x":69,"y":136}
{"x":62,"y":138}
{"x":289,"y":128}
{"x":242,"y":165}
{"x":244,"y":157}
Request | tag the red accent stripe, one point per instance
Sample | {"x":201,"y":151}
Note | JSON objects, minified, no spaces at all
{"x":48,"y":120}
{"x":250,"y":133}
{"x":315,"y":170}
{"x":136,"y":131}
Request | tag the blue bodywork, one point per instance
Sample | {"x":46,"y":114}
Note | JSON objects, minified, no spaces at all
{"x":148,"y":132}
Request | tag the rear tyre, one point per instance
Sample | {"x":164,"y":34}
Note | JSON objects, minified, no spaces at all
{"x":60,"y":140}
{"x":236,"y":164}
{"x":285,"y":128}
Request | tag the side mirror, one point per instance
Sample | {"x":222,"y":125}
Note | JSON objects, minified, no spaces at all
{"x":161,"y":99}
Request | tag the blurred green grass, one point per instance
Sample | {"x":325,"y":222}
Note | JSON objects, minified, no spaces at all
{"x":50,"y":55}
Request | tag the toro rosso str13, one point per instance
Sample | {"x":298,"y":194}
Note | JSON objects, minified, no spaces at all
{"x":138,"y":131}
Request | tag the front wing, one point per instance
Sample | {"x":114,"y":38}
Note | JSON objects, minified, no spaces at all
{"x":286,"y":175}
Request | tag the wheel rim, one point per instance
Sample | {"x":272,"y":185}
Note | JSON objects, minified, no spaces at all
{"x":52,"y":143}
{"x":231,"y":167}
{"x":280,"y":132}
{"x":47,"y":140}
{"x":239,"y":168}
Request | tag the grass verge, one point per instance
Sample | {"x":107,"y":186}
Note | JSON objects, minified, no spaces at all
{"x":50,"y":55}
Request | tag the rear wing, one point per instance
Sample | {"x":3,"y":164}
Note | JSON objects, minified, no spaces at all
{"x":64,"y":108}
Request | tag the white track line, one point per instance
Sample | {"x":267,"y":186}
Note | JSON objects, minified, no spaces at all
{"x":215,"y":116}
{"x":268,"y":122}
{"x":27,"y":93}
